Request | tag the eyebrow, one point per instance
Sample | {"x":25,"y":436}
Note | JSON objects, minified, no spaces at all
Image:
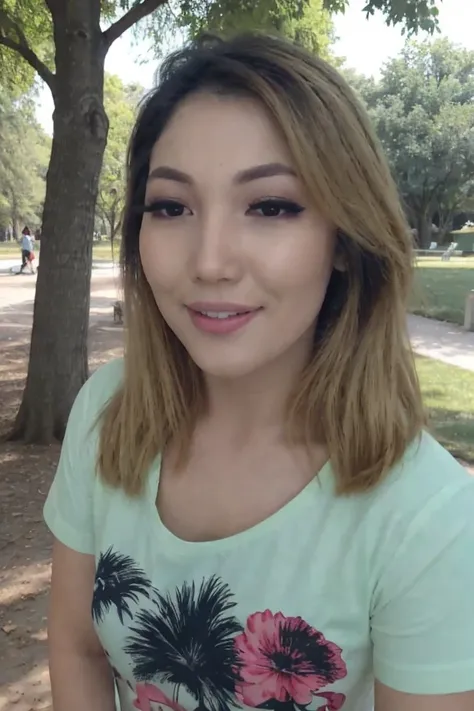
{"x":266,"y":170}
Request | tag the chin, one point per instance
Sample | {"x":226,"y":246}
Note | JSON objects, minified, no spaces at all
{"x":225,"y":368}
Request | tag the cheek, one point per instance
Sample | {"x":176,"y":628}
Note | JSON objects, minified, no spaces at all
{"x":305,"y":269}
{"x":161,"y":264}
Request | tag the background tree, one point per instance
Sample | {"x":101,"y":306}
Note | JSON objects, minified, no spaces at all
{"x":121,"y":106}
{"x":423,"y":110}
{"x":66,"y":42}
{"x":307,"y":22}
{"x":24,"y":156}
{"x":411,"y":15}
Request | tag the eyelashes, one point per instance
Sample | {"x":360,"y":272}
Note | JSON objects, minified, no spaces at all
{"x":174,"y":208}
{"x":268,"y":208}
{"x":276,"y":207}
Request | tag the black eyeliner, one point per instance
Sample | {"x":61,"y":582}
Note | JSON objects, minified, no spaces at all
{"x":291,"y":207}
{"x":156,"y":205}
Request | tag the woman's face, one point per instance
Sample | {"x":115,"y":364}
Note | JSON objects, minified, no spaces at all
{"x":236,"y":255}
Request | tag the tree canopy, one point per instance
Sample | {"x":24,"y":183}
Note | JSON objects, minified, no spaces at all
{"x":120,"y":104}
{"x":24,"y":156}
{"x":27,"y":26}
{"x":423,"y":110}
{"x":306,"y":21}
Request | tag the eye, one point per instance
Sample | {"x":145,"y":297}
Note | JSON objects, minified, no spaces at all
{"x":275,"y":207}
{"x":167,"y":209}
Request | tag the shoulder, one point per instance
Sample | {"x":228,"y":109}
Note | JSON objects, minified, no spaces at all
{"x":107,"y":378}
{"x":100,"y":387}
{"x":425,"y":476}
{"x":69,"y":508}
{"x":425,"y":498}
{"x":427,"y":472}
{"x":422,"y":627}
{"x":426,"y":484}
{"x":91,"y":401}
{"x":425,"y":503}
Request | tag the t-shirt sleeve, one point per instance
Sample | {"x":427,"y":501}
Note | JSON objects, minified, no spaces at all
{"x":69,"y":508}
{"x":423,"y":608}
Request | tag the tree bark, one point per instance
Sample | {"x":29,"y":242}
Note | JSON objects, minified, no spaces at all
{"x":424,"y":230}
{"x":58,"y":364}
{"x":14,"y":216}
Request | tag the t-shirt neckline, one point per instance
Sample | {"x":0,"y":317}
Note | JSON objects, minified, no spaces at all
{"x":174,"y":545}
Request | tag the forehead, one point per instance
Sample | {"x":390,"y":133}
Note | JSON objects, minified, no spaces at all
{"x":208,"y":128}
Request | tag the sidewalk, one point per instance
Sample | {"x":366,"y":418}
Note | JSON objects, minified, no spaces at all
{"x":442,"y":341}
{"x":17,"y":293}
{"x":12,"y":266}
{"x":434,"y":339}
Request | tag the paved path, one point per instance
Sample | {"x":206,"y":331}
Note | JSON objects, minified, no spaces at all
{"x":17,"y":293}
{"x":442,"y":341}
{"x":9,"y":266}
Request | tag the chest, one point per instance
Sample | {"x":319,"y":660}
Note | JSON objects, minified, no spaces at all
{"x":215,"y":497}
{"x":276,"y":617}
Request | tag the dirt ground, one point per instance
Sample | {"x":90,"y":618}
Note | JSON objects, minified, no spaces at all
{"x":25,"y":476}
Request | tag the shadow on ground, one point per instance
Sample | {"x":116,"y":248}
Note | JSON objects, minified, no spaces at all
{"x":26,"y":473}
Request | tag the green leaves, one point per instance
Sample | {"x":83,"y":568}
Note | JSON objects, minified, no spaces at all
{"x":120,"y":104}
{"x":303,"y":20}
{"x":24,"y":156}
{"x":412,"y":15}
{"x":25,"y":30}
{"x":423,"y":111}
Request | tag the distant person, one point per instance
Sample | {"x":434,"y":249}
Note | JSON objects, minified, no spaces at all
{"x":27,"y":250}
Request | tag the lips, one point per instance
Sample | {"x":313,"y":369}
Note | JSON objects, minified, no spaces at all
{"x":221,"y":307}
{"x":221,"y":318}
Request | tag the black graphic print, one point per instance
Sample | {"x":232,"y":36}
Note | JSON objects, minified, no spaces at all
{"x":188,"y":641}
{"x":118,"y":581}
{"x":191,"y":641}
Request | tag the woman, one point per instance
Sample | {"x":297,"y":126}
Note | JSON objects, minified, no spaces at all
{"x":248,"y":502}
{"x":27,"y":253}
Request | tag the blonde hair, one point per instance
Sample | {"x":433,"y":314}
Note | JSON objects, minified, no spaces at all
{"x":359,"y":393}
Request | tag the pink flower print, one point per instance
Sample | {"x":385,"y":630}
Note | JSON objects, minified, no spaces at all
{"x":285,"y":659}
{"x":333,"y":702}
{"x":148,"y":693}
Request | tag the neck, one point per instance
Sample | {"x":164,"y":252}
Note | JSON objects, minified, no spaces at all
{"x":243,"y":407}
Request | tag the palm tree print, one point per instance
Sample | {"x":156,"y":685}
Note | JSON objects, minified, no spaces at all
{"x":118,"y":581}
{"x":187,"y":640}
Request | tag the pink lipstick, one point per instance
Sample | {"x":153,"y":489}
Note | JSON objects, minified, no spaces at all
{"x":221,"y":318}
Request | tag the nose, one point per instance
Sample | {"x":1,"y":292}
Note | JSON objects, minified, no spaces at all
{"x":217,"y":255}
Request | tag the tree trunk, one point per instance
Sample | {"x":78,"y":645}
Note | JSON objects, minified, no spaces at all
{"x":424,"y":227}
{"x":58,"y":364}
{"x":445,"y":225}
{"x":14,"y":216}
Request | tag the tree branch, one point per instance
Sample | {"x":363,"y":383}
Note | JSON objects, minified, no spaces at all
{"x":21,"y":46}
{"x":136,"y":13}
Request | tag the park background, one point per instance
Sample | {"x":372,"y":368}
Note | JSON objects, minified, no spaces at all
{"x":419,"y":90}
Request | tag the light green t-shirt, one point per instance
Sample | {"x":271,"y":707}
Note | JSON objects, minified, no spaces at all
{"x":299,"y":612}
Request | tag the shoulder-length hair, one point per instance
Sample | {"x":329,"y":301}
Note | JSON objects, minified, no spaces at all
{"x":359,"y":393}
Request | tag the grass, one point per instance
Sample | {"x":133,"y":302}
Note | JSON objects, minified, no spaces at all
{"x":101,"y":251}
{"x":441,"y":288}
{"x":448,"y":393}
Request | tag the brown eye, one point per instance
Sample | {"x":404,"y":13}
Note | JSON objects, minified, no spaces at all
{"x":167,"y":209}
{"x":275,"y":208}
